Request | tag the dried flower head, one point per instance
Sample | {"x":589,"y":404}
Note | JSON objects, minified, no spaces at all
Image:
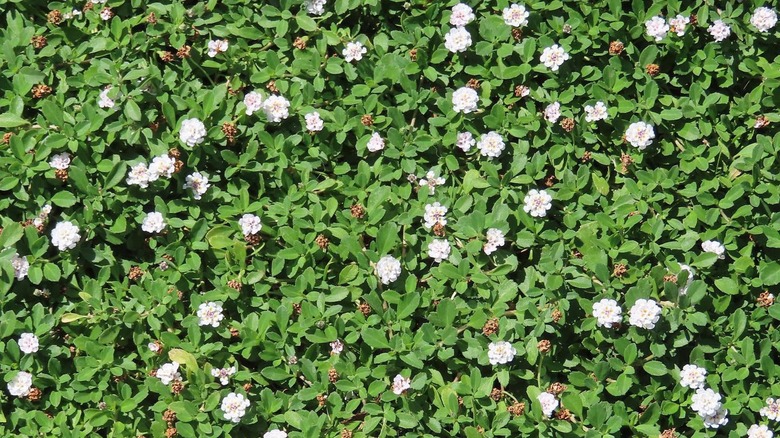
{"x":41,"y":90}
{"x":357,"y":211}
{"x":299,"y":43}
{"x":54,"y":17}
{"x":365,"y":309}
{"x":38,"y":41}
{"x":333,"y":375}
{"x":556,"y":388}
{"x":619,"y":270}
{"x":490,"y":327}
{"x":567,"y":124}
{"x":166,"y":56}
{"x":544,"y":346}
{"x":230,"y":131}
{"x":322,"y":242}
{"x":668,"y":433}
{"x":564,"y":414}
{"x":761,"y":122}
{"x":322,"y":399}
{"x":135,"y":273}
{"x":616,"y":48}
{"x":473,"y":83}
{"x":517,"y":33}
{"x":169,"y":416}
{"x":234,"y":284}
{"x":184,"y":51}
{"x":652,"y":69}
{"x":517,"y":409}
{"x":271,"y":86}
{"x":556,"y":315}
{"x":151,"y":18}
{"x":413,"y":54}
{"x":765,"y":299}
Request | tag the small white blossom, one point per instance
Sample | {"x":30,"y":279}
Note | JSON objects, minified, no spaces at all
{"x":198,"y":184}
{"x":549,"y":403}
{"x":401,"y":384}
{"x":217,"y":46}
{"x":250,"y":224}
{"x":714,"y":247}
{"x":21,"y":266}
{"x":553,"y":112}
{"x":458,"y":39}
{"x":465,"y":141}
{"x":210,"y":313}
{"x":494,"y":238}
{"x":434,"y":214}
{"x":65,"y":236}
{"x":465,"y":100}
{"x":154,"y":347}
{"x":276,"y":433}
{"x":168,"y":373}
{"x":764,"y":19}
{"x":607,"y":312}
{"x":537,"y":202}
{"x":692,"y":376}
{"x":192,"y":132}
{"x":353,"y":51}
{"x":644,"y":314}
{"x":161,"y":166}
{"x":106,"y":14}
{"x":719,"y":30}
{"x":60,"y":161}
{"x":313,"y":122}
{"x":757,"y":431}
{"x":234,"y":406}
{"x":28,"y":343}
{"x":462,"y":15}
{"x":553,"y":57}
{"x":431,"y":181}
{"x":276,"y":108}
{"x":596,"y":113}
{"x":640,"y":135}
{"x":501,"y":352}
{"x":315,"y":7}
{"x":439,"y":250}
{"x":388,"y":268}
{"x":104,"y":101}
{"x":772,"y":409}
{"x":515,"y":15}
{"x":138,"y":175}
{"x":490,"y":144}
{"x":223,"y":374}
{"x":375,"y":143}
{"x":253,"y":102}
{"x":705,"y":402}
{"x":336,"y":347}
{"x":678,"y":24}
{"x":714,"y":421}
{"x":153,"y":223}
{"x":691,"y":272}
{"x":656,"y":28}
{"x":21,"y":384}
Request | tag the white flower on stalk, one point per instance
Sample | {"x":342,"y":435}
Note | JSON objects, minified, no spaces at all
{"x":276,"y":108}
{"x":313,"y":122}
{"x":217,"y":46}
{"x":596,"y":112}
{"x":553,"y":57}
{"x":771,"y":410}
{"x":678,"y":24}
{"x":549,"y":403}
{"x":250,"y":224}
{"x":465,"y":141}
{"x":537,"y":202}
{"x":656,"y":28}
{"x":21,"y":266}
{"x":210,"y":313}
{"x":234,"y":406}
{"x":644,"y":314}
{"x":607,"y":313}
{"x":21,"y":384}
{"x":515,"y":15}
{"x":458,"y":39}
{"x":494,"y":238}
{"x":197,"y":183}
{"x":553,"y":112}
{"x":388,"y":268}
{"x":714,"y":421}
{"x":65,"y":236}
{"x":501,"y":352}
{"x":764,"y":19}
{"x":714,"y":247}
{"x":375,"y":143}
{"x":163,"y":165}
{"x":192,"y":132}
{"x":168,"y":373}
{"x":719,"y":30}
{"x":153,"y":222}
{"x":757,"y":431}
{"x":705,"y":402}
{"x":60,"y":161}
{"x":691,"y":272}
{"x":439,"y":250}
{"x":490,"y":144}
{"x":315,"y":7}
{"x":138,"y":175}
{"x":336,"y":347}
{"x":435,"y":214}
{"x":401,"y":384}
{"x":104,"y":101}
{"x":431,"y":181}
{"x":692,"y":376}
{"x":462,"y":14}
{"x":28,"y":343}
{"x":640,"y":135}
{"x":223,"y":374}
{"x":253,"y":102}
{"x":465,"y":100}
{"x":353,"y":51}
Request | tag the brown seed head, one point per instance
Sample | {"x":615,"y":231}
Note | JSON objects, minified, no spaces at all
{"x":566,"y":28}
{"x":346,"y":433}
{"x":694,"y":20}
{"x":38,"y":41}
{"x":616,"y":48}
{"x":230,"y":131}
{"x":517,"y":33}
{"x":586,"y":156}
{"x":766,"y":299}
{"x":367,"y":120}
{"x":761,"y":122}
{"x":490,"y":327}
{"x":166,"y":56}
{"x":670,"y":278}
{"x":365,"y":309}
{"x":135,"y":273}
{"x":234,"y":332}
{"x":625,"y":161}
{"x":322,"y":399}
{"x":438,"y":229}
{"x":652,"y":69}
{"x":517,"y":409}
{"x":171,"y":432}
{"x":413,"y":54}
{"x":271,"y":86}
{"x":54,"y":17}
{"x":567,"y":124}
{"x":299,"y":43}
{"x":40,"y":91}
{"x":550,"y":181}
{"x":34,"y":395}
{"x":357,"y":211}
{"x":247,"y":386}
{"x":151,"y":18}
{"x":234,"y":284}
{"x":169,"y":416}
{"x":297,"y":308}
{"x":544,"y":346}
{"x":252,"y":239}
{"x":496,"y":394}
{"x":619,"y":270}
{"x":7,"y":137}
{"x":333,"y":376}
{"x":473,"y":83}
{"x":668,"y":433}
{"x":177,"y":387}
{"x":61,"y":174}
{"x":556,"y":388}
{"x":556,"y":315}
{"x":88,"y":6}
{"x":184,"y":52}
{"x":564,"y":414}
{"x":521,"y":90}
{"x":322,"y":242}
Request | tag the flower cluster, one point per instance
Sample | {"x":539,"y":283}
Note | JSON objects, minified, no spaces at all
{"x":501,"y":352}
{"x":223,"y":374}
{"x":388,"y":268}
{"x":234,"y":406}
{"x":494,"y":239}
{"x":210,"y":313}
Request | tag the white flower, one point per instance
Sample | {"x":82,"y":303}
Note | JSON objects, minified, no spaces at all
{"x":223,"y":374}
{"x":163,"y":165}
{"x":353,"y":51}
{"x":607,"y":312}
{"x":716,"y":420}
{"x":192,"y":132}
{"x":388,"y":268}
{"x":253,"y":102}
{"x":375,"y":143}
{"x":210,"y":314}
{"x":644,"y":314}
{"x":515,"y":15}
{"x":21,"y":266}
{"x":276,"y":433}
{"x":313,"y":122}
{"x":461,"y":15}
{"x":596,"y":113}
{"x":65,"y":235}
{"x":714,"y":247}
{"x":705,"y":402}
{"x":434,"y":214}
{"x":217,"y":46}
{"x":490,"y":144}
{"x":549,"y":403}
{"x":401,"y":384}
{"x":432,"y":181}
{"x":640,"y":135}
{"x":501,"y":352}
{"x":465,"y":141}
{"x":764,"y":19}
{"x":60,"y":161}
{"x":553,"y":57}
{"x":439,"y":250}
{"x":138,"y":175}
{"x":104,"y":101}
{"x":719,"y":30}
{"x":692,"y":376}
{"x":537,"y":202}
{"x":757,"y":431}
{"x":656,"y":28}
{"x":234,"y":406}
{"x":276,"y":108}
{"x":198,"y":184}
{"x":771,"y":410}
{"x":336,"y":347}
{"x":28,"y":343}
{"x":153,"y":223}
{"x":678,"y":23}
{"x":464,"y":100}
{"x":522,"y":91}
{"x":495,"y":238}
{"x":106,"y":14}
{"x":168,"y":373}
{"x":691,"y":272}
{"x":552,"y":112}
{"x":154,"y":347}
{"x":46,"y":210}
{"x":315,"y":7}
{"x":21,"y":384}
{"x":458,"y":39}
{"x":250,"y":224}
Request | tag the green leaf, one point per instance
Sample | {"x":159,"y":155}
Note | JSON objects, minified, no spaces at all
{"x":375,"y":338}
{"x":769,"y":273}
{"x":408,"y":305}
{"x":655,"y":368}
{"x":183,"y":357}
{"x":11,"y":234}
{"x":64,"y":199}
{"x":8,"y":120}
{"x":132,"y":110}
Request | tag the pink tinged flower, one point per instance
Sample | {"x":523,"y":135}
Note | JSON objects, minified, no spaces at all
{"x":21,"y":384}
{"x":656,"y":28}
{"x":216,"y":47}
{"x":336,"y":347}
{"x":462,"y":15}
{"x":548,"y":402}
{"x":353,"y":51}
{"x":515,"y":15}
{"x":28,"y":343}
{"x":210,"y":313}
{"x":313,"y":122}
{"x":719,"y":30}
{"x":764,"y":19}
{"x":552,"y":112}
{"x":401,"y":384}
{"x":60,"y":161}
{"x":465,"y":141}
{"x":21,"y":266}
{"x":253,"y":102}
{"x":198,"y":183}
{"x":553,"y":57}
{"x":234,"y":406}
{"x":375,"y":143}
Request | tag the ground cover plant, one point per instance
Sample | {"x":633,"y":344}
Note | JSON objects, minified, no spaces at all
{"x":389,"y":218}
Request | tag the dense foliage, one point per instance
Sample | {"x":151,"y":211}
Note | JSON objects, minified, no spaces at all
{"x":389,"y":218}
